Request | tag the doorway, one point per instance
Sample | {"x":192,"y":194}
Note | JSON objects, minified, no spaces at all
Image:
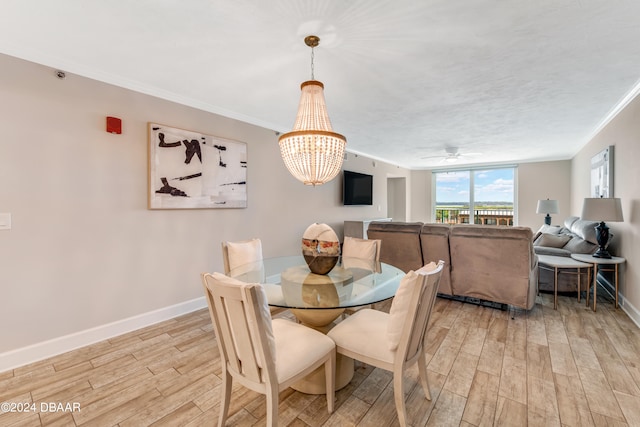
{"x":397,"y":198}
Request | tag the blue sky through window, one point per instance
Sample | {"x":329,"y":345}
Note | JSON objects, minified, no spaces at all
{"x":495,"y":185}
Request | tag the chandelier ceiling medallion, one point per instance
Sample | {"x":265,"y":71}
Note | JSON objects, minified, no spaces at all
{"x":312,"y":151}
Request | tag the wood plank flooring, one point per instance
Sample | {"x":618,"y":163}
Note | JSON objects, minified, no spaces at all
{"x":545,"y":367}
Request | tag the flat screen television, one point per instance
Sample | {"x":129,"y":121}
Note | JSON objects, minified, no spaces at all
{"x":357,"y":188}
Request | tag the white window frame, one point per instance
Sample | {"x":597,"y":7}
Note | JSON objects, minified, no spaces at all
{"x":472,"y":171}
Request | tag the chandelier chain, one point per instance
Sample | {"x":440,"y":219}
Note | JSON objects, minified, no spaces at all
{"x":312,"y":66}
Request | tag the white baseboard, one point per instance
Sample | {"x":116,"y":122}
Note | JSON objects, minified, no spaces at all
{"x":627,"y":307}
{"x":35,"y":352}
{"x":623,"y":303}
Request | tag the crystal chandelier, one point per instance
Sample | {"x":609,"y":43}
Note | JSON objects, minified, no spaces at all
{"x":312,"y":151}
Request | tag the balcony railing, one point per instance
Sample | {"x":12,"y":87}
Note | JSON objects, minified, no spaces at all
{"x":480,"y":216}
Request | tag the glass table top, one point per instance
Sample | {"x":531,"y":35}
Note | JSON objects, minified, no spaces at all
{"x":289,"y":283}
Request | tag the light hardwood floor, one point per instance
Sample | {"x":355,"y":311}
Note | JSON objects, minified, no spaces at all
{"x":570,"y":367}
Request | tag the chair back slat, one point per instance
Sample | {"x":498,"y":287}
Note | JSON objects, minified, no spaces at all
{"x":418,"y":315}
{"x":235,"y":316}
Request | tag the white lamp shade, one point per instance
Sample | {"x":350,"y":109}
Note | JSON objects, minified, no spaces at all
{"x":602,"y":209}
{"x":312,"y":152}
{"x":547,"y":206}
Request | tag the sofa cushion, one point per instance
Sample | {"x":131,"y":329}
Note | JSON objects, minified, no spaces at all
{"x":544,"y":250}
{"x":586,"y":230}
{"x":553,"y":240}
{"x":579,"y":246}
{"x":568,"y":222}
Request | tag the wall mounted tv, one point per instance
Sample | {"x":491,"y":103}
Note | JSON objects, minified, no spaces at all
{"x":357,"y":188}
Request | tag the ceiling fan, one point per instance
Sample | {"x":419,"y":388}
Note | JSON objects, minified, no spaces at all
{"x":452,"y":155}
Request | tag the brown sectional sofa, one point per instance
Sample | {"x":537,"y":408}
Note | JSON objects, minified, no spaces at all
{"x":492,"y":263}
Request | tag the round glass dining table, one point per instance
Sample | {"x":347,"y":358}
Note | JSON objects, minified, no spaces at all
{"x":318,"y":299}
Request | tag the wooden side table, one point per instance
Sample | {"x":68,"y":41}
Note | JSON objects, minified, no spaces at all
{"x":600,"y":263}
{"x":561,"y":262}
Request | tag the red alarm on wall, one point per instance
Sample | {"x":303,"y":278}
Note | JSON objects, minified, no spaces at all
{"x":114,"y":125}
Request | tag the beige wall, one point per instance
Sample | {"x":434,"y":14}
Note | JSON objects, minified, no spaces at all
{"x":623,"y":132}
{"x":397,"y":198}
{"x":84,"y":251}
{"x":420,"y":193}
{"x":544,"y":180}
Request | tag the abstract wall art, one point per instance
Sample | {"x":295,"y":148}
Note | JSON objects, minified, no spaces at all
{"x":190,"y":170}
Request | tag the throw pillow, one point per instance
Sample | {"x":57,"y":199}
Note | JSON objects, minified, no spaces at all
{"x":548,"y":229}
{"x":553,"y":240}
{"x":264,"y":314}
{"x":399,"y":307}
{"x":585,"y":230}
{"x":579,"y":246}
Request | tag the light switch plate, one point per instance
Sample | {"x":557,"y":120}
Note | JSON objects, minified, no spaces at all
{"x":5,"y":221}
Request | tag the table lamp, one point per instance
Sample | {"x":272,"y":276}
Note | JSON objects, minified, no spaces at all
{"x":548,"y":207}
{"x":602,"y":209}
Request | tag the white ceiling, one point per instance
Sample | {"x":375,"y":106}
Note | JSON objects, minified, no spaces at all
{"x":516,"y":80}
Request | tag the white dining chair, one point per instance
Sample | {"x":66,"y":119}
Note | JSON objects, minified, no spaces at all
{"x":263,"y":354}
{"x":361,"y":253}
{"x":394,"y":341}
{"x":243,"y":258}
{"x":361,"y":257}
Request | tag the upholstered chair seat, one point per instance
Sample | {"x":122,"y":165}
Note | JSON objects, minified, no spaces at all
{"x":263,"y":354}
{"x":293,"y":341}
{"x":366,"y":335}
{"x":394,"y":341}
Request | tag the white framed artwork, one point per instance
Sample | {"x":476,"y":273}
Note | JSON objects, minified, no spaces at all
{"x":602,"y":173}
{"x":191,"y":170}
